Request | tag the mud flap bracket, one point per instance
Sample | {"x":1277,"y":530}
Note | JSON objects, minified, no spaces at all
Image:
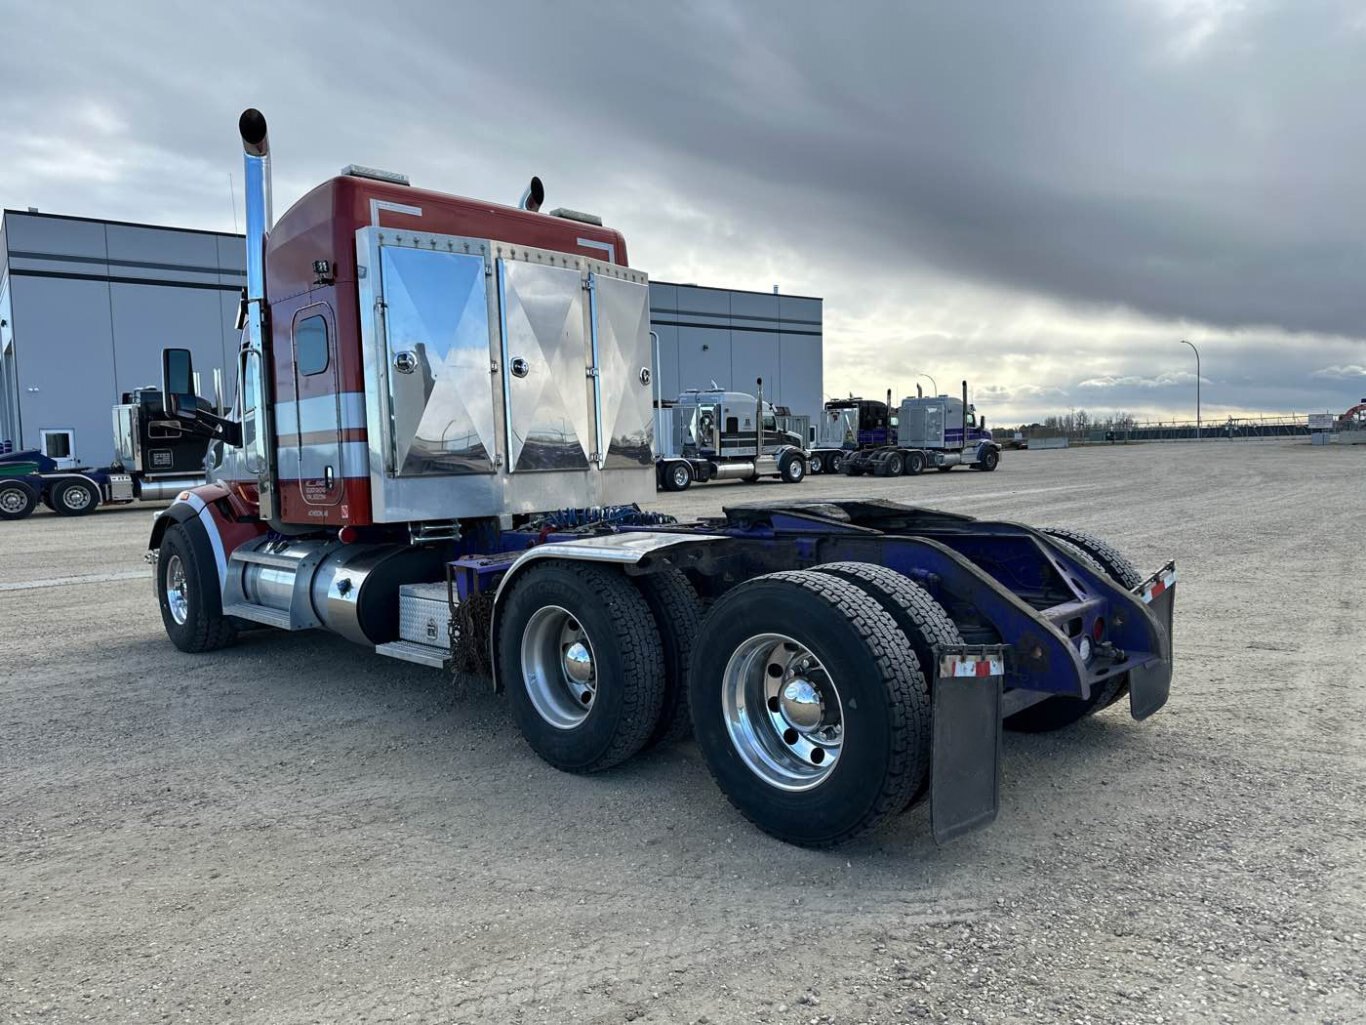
{"x":965,"y":761}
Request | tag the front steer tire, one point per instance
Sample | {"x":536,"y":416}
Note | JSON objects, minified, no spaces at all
{"x":879,"y":694}
{"x":187,"y":591}
{"x":626,"y":655}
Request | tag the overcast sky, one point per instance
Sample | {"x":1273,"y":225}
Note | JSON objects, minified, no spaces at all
{"x":1041,"y":197}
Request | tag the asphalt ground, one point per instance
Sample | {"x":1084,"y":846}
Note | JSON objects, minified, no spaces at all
{"x":297,"y":830}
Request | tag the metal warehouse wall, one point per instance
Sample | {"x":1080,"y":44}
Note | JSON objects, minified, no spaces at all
{"x":730,"y":337}
{"x":89,"y":306}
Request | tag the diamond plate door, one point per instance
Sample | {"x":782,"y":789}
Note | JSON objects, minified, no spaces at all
{"x":546,"y":385}
{"x":436,"y":326}
{"x":626,"y":409}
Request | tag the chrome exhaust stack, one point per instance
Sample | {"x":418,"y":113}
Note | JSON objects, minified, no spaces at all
{"x":256,"y":160}
{"x":258,"y":425}
{"x":533,"y":196}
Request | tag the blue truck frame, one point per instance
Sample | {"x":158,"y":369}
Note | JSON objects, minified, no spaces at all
{"x":1040,"y":620}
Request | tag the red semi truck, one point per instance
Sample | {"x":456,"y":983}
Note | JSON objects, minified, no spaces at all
{"x":442,"y":430}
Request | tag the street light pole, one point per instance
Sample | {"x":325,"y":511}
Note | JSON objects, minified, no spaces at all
{"x":1197,"y":387}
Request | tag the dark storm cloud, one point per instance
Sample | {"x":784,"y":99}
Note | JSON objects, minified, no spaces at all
{"x":1192,"y":162}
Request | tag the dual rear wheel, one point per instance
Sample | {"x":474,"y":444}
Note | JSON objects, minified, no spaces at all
{"x":807,"y":690}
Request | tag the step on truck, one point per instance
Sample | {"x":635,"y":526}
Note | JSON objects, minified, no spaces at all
{"x":439,"y":449}
{"x":929,"y":432}
{"x":714,"y":434}
{"x":155,"y":460}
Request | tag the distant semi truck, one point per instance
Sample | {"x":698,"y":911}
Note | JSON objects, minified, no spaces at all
{"x":155,"y":460}
{"x":713,"y":434}
{"x":858,"y":436}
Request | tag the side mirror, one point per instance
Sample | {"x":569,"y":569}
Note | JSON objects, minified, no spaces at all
{"x":177,"y":380}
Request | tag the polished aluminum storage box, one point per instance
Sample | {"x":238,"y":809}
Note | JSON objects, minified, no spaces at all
{"x":424,"y":614}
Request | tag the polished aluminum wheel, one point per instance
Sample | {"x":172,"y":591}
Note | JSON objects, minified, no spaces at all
{"x":13,"y":501}
{"x":77,"y":499}
{"x":558,"y":667}
{"x":783,"y":712}
{"x":177,"y":592}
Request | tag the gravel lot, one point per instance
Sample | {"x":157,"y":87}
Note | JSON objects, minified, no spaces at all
{"x":297,"y":830}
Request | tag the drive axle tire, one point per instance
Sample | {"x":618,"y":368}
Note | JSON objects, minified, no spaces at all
{"x":814,"y":464}
{"x":17,"y":500}
{"x":835,"y":464}
{"x":923,"y":620}
{"x":1116,"y":566}
{"x":583,"y":664}
{"x":809,"y":707}
{"x":75,"y":497}
{"x":915,"y":464}
{"x":677,"y":612}
{"x":188,"y":593}
{"x":895,"y":464}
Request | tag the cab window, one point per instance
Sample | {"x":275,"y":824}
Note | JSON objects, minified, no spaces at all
{"x":310,"y":346}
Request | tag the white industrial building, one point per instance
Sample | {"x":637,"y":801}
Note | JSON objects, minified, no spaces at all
{"x":86,"y":307}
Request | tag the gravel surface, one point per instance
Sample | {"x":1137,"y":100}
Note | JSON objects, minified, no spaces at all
{"x":297,"y":830}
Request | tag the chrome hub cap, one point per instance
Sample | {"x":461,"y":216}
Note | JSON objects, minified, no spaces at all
{"x":12,"y":500}
{"x":76,"y":499}
{"x":177,"y":593}
{"x":800,"y":705}
{"x":783,"y":712}
{"x":681,"y":475}
{"x":558,"y":667}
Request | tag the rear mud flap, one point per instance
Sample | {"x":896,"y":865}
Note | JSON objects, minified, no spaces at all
{"x":1150,"y":686}
{"x":965,"y":763}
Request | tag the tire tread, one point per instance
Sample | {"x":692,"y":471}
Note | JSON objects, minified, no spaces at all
{"x":642,"y":655}
{"x":903,"y":685}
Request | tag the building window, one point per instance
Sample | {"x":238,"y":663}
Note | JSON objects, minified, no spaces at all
{"x":310,"y":346}
{"x":58,"y":444}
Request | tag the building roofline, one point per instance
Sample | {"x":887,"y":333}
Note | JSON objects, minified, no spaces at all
{"x":124,"y":224}
{"x":743,"y":291}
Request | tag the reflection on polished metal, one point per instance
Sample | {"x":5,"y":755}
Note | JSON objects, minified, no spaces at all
{"x":801,"y":704}
{"x":783,"y":712}
{"x":458,"y":434}
{"x":437,"y":329}
{"x":548,"y":422}
{"x":558,"y":667}
{"x":177,"y":593}
{"x":258,"y":446}
{"x":627,"y":403}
